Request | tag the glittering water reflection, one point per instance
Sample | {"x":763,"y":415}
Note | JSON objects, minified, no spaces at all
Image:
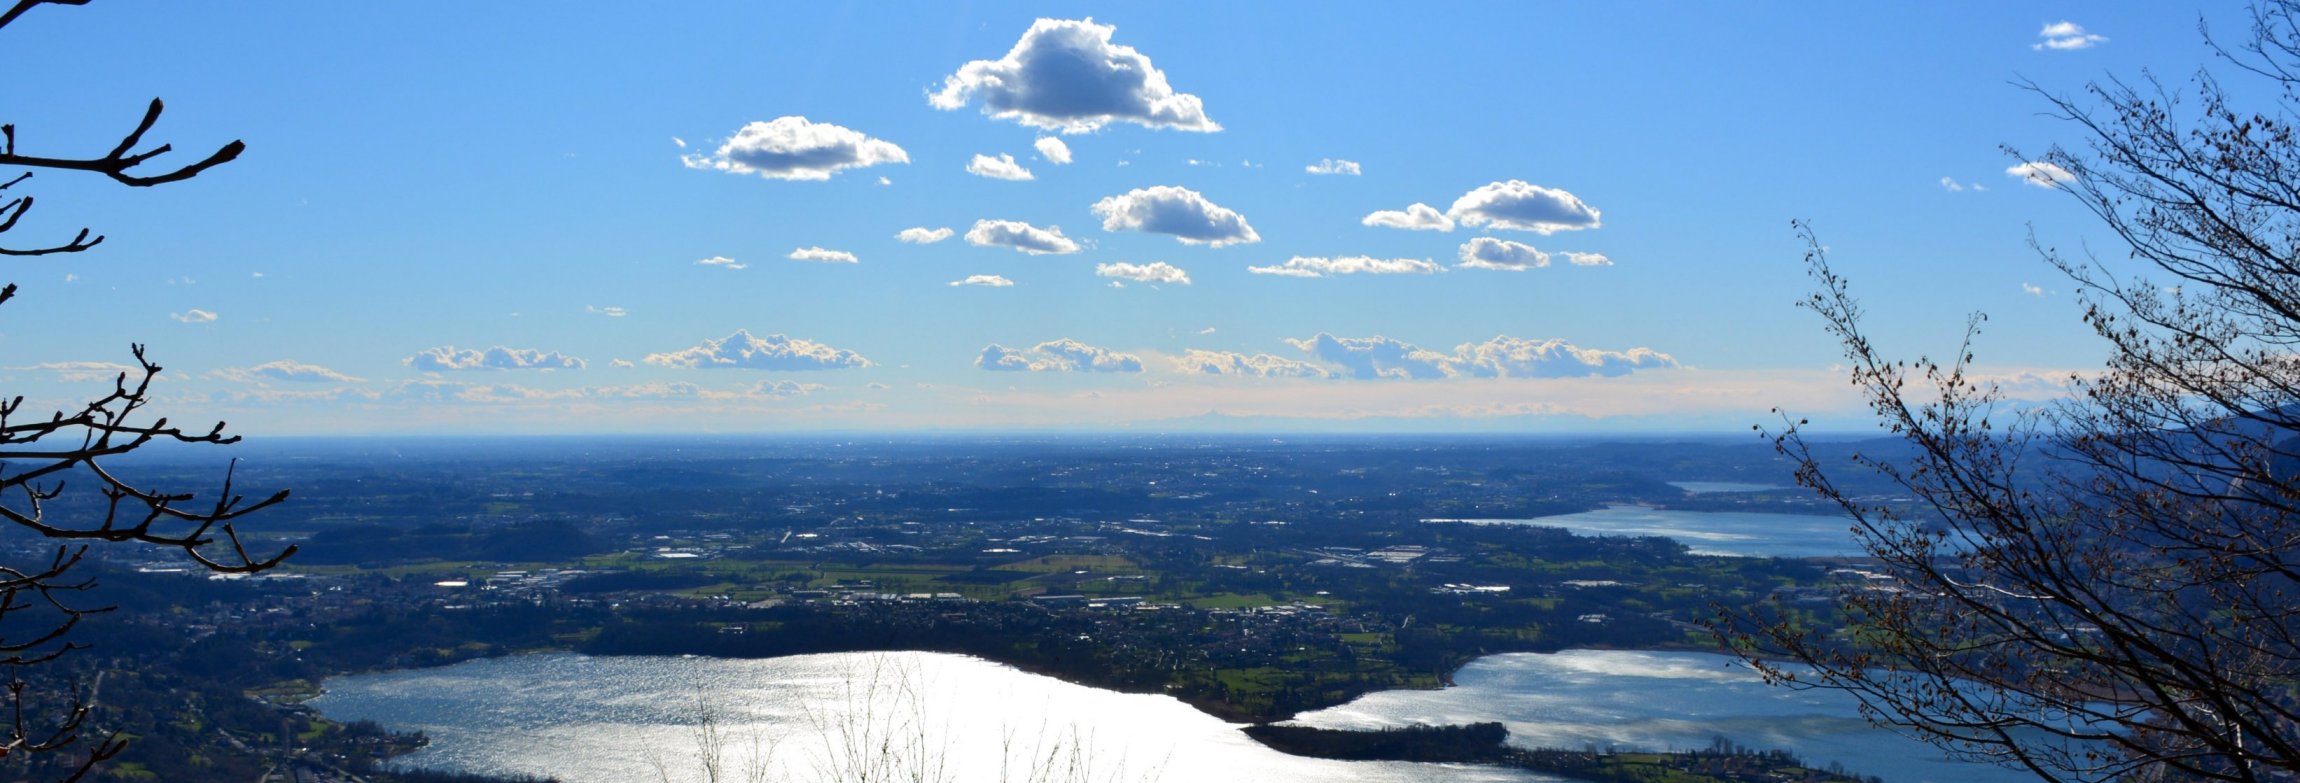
{"x":1742,"y":533}
{"x":1657,"y":700}
{"x":819,"y":718}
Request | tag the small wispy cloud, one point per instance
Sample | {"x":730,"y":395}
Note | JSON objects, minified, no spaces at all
{"x":1419,"y":217}
{"x":1001,"y":167}
{"x":742,"y":350}
{"x":2032,"y":289}
{"x":286,"y":370}
{"x":722,"y":262}
{"x":610,"y":311}
{"x":194,"y":316}
{"x":1021,"y":236}
{"x":793,"y":148}
{"x":921,"y":235}
{"x":1315,"y":266}
{"x":2065,"y":36}
{"x":1586,"y":259}
{"x":1154,"y":272}
{"x":823,"y":255}
{"x":2042,"y":174}
{"x":1053,"y":150}
{"x":988,"y":281}
{"x":1501,"y":254}
{"x":447,"y":358}
{"x":1064,"y":355}
{"x":1333,"y":166}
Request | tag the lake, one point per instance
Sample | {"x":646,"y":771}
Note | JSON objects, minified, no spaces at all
{"x":820,"y":718}
{"x":1738,"y":533}
{"x":815,"y":717}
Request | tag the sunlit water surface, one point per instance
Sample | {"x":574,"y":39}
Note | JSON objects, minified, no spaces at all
{"x":814,"y":717}
{"x":1740,"y":533}
{"x":820,"y":718}
{"x":1657,"y":700}
{"x":1707,"y":487}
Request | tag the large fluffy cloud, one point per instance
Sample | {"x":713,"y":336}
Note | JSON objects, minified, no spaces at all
{"x":1314,"y":266}
{"x":1001,"y":167}
{"x":1064,"y":355}
{"x":1502,"y":254}
{"x":1066,"y":75}
{"x":1523,"y":206}
{"x":1167,"y":209}
{"x":741,"y":350}
{"x":1419,"y":217}
{"x":1153,"y":272}
{"x":793,"y":148}
{"x":447,"y":357}
{"x":1260,"y":365}
{"x":1020,"y":236}
{"x":1502,"y":356}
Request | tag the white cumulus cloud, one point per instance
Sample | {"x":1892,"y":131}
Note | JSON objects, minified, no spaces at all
{"x":921,"y":235}
{"x":1053,"y":150}
{"x":1181,"y":212}
{"x":741,"y":350}
{"x":1518,"y":205}
{"x":1153,"y":272}
{"x":823,"y":255}
{"x":793,"y":148}
{"x":1419,"y":217}
{"x":1001,"y":167}
{"x":1064,"y":355}
{"x":447,"y":358}
{"x":194,"y":316}
{"x":1020,"y":236}
{"x":2064,"y":36}
{"x":1502,"y":356}
{"x":1315,"y":266}
{"x":1333,"y":166}
{"x":1066,"y":75}
{"x":722,"y":262}
{"x":1502,"y":254}
{"x":1517,"y":357}
{"x":1587,"y":259}
{"x":1260,"y":365}
{"x":990,"y":281}
{"x":2040,"y":173}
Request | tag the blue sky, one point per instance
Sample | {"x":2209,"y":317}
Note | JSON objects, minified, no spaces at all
{"x":427,"y":182}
